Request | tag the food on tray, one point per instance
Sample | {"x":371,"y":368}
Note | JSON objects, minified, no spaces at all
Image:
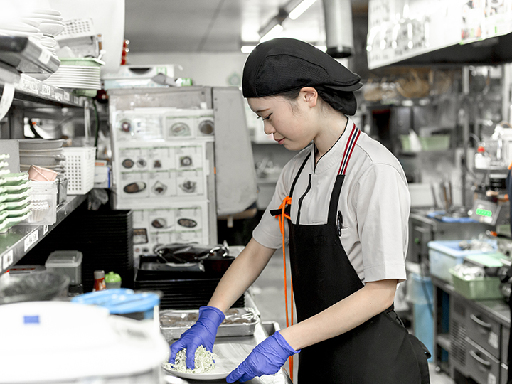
{"x":203,"y":361}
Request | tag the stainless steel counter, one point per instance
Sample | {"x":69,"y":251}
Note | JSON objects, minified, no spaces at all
{"x":262,"y":331}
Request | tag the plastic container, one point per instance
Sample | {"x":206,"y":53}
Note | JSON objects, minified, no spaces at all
{"x":113,"y":280}
{"x":79,"y":169}
{"x":477,"y":288}
{"x":446,"y":254}
{"x":68,"y":263}
{"x":43,"y":196}
{"x":126,"y":303}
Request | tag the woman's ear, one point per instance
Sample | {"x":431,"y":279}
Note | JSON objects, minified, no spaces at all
{"x":309,"y":95}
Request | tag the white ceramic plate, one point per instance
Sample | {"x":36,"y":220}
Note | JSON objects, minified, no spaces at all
{"x":229,"y":356}
{"x":46,"y":11}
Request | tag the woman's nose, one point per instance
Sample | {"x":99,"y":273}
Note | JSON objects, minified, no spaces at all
{"x":268,"y":128}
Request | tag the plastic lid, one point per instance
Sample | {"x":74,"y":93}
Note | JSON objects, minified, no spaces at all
{"x":120,"y":301}
{"x":99,"y":274}
{"x":112,"y":277}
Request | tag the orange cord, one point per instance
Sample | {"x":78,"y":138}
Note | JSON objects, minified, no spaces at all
{"x":287,"y":201}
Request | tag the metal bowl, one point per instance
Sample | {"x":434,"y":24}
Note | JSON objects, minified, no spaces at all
{"x":39,"y":286}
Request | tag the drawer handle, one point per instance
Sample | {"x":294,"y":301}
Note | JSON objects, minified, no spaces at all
{"x":481,"y":323}
{"x":485,"y":363}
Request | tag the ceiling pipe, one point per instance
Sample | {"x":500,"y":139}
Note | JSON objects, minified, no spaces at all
{"x":338,"y":28}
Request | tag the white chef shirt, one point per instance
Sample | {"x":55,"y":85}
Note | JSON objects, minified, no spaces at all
{"x":374,"y":202}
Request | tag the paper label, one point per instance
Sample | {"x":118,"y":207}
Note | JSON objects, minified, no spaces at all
{"x":44,"y":57}
{"x":31,"y":240}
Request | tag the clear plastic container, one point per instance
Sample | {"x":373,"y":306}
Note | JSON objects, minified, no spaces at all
{"x":68,"y":263}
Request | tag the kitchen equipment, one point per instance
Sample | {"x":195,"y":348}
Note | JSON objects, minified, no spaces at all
{"x":67,"y":263}
{"x":186,"y":285}
{"x":67,"y":343}
{"x":41,"y":286}
{"x":238,"y":322}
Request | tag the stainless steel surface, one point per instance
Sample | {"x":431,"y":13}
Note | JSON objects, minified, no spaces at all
{"x":238,"y":322}
{"x":259,"y":335}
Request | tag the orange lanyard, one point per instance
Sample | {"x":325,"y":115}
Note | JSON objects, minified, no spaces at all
{"x":287,"y":201}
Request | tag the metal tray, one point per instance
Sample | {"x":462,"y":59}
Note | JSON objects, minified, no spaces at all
{"x":238,"y":322}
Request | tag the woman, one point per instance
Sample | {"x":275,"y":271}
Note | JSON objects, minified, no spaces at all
{"x":346,"y":204}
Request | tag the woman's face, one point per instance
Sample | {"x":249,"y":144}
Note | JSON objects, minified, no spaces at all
{"x":288,"y":121}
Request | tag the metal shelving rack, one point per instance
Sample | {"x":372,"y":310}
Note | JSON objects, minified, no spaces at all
{"x":19,"y":55}
{"x":22,"y":238}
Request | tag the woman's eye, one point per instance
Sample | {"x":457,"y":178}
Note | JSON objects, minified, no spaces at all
{"x":265,"y":118}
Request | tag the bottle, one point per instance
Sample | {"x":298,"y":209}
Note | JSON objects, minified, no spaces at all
{"x":113,"y":280}
{"x":99,"y":281}
{"x":482,"y":159}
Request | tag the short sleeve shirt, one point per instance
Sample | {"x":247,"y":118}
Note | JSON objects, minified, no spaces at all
{"x":374,"y":202}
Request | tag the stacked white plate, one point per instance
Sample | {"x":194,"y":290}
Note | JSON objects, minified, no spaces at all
{"x":76,"y":76}
{"x":49,"y":22}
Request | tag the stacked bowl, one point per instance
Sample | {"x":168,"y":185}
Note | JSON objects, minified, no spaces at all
{"x":42,"y":153}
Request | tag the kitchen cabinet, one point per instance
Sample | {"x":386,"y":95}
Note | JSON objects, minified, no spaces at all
{"x":477,"y":340}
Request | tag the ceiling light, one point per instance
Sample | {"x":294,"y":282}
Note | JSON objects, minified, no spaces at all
{"x":300,"y":8}
{"x":274,"y":32}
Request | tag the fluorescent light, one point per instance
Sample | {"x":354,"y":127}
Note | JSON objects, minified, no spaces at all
{"x":274,"y":32}
{"x":247,"y":48}
{"x":300,"y":9}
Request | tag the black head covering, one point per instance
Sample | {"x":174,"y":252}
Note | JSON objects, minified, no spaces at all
{"x":280,"y":65}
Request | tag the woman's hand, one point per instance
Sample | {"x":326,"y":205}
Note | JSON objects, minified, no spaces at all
{"x":265,"y":359}
{"x":203,"y":332}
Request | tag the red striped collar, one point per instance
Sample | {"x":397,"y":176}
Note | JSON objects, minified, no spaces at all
{"x":349,"y":148}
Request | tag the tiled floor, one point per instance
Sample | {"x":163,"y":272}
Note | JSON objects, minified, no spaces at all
{"x":267,"y":292}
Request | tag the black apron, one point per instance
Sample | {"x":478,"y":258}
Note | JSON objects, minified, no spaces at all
{"x":379,"y":351}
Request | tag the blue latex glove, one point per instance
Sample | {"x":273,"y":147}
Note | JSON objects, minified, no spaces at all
{"x":203,"y":332}
{"x":265,"y":359}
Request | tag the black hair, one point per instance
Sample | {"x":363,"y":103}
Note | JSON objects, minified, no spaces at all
{"x":344,"y":102}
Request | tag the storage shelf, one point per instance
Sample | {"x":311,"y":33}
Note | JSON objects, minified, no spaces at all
{"x":21,"y":238}
{"x":31,"y":89}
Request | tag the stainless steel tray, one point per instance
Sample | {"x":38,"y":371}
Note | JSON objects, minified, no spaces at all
{"x":238,"y":322}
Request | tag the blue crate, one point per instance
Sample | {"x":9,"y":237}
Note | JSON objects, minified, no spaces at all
{"x":446,"y":254}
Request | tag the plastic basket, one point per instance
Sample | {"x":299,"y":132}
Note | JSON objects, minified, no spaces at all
{"x":477,"y":287}
{"x":79,"y":165}
{"x":446,"y":254}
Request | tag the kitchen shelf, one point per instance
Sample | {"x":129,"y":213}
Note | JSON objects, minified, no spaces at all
{"x":31,"y":89}
{"x":21,"y":238}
